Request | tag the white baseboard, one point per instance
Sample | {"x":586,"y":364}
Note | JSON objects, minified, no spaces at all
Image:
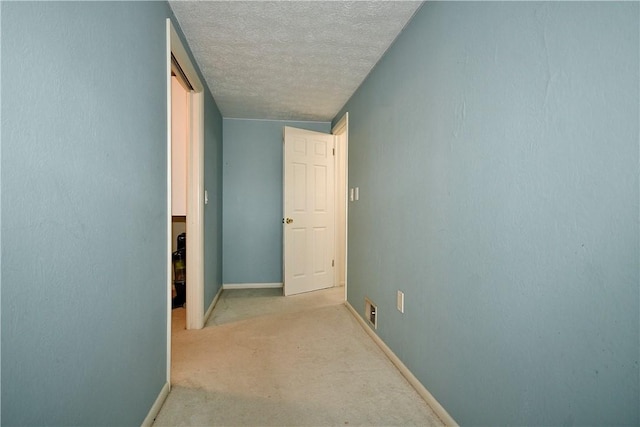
{"x":251,"y":285}
{"x":155,"y":408}
{"x":422,"y":391}
{"x":211,"y":306}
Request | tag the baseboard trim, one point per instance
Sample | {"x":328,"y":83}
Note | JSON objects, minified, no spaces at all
{"x":251,"y":285}
{"x":155,"y":408}
{"x":422,"y":391}
{"x":211,"y":306}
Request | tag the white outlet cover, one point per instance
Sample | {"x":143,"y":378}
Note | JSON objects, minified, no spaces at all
{"x":400,"y":301}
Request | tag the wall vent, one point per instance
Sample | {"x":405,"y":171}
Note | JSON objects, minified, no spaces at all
{"x":371,"y":313}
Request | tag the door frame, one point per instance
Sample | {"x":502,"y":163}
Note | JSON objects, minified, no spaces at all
{"x":195,"y":189}
{"x":342,"y":128}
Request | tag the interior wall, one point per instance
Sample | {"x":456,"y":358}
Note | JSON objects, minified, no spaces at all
{"x":496,"y":150}
{"x":84,"y":303}
{"x":252,"y":198}
{"x":213,"y":208}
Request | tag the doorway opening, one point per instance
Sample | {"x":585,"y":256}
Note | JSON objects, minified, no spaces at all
{"x":315,"y":208}
{"x":179,"y":64}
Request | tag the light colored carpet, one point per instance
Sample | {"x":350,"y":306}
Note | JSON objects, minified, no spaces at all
{"x":268,"y":360}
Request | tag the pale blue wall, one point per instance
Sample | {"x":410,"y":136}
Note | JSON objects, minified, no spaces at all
{"x":213,"y":210}
{"x":252,"y":198}
{"x":0,"y":216}
{"x":496,"y":151}
{"x":84,"y":211}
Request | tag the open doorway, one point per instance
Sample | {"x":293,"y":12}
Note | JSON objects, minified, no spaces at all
{"x":179,"y":64}
{"x":180,"y":112}
{"x":315,"y":209}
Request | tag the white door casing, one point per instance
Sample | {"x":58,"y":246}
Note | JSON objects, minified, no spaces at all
{"x":308,"y":223}
{"x":195,"y":188}
{"x":341,"y":131}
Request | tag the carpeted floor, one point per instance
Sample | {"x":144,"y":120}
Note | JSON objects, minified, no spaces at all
{"x":268,"y":360}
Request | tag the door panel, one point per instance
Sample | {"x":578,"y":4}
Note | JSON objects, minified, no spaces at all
{"x":309,"y":210}
{"x":299,"y":187}
{"x":320,"y":196}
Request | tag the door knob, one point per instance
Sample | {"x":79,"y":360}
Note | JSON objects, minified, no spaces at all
{"x":289,"y":220}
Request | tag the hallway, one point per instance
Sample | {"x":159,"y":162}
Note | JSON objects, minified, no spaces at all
{"x":263,"y":359}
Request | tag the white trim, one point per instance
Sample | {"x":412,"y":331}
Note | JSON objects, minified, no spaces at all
{"x":252,"y":285}
{"x":343,"y":127}
{"x":422,"y":391}
{"x":342,"y":123}
{"x":207,"y":314}
{"x":195,"y":214}
{"x":183,"y":59}
{"x":169,"y":229}
{"x":157,"y":405}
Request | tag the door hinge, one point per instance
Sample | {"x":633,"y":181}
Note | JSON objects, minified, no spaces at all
{"x":333,"y":263}
{"x":334,"y":151}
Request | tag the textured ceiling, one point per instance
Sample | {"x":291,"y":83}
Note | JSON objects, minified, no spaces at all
{"x":288,"y":60}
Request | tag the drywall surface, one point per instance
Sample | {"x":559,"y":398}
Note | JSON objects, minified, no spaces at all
{"x":0,"y":214}
{"x":496,"y":151}
{"x":84,"y":187}
{"x":252,"y":198}
{"x":213,"y":209}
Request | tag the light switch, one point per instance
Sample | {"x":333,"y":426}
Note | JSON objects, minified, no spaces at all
{"x":357,"y":193}
{"x":400,"y":301}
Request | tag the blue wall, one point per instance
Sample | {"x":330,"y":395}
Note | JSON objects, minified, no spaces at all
{"x":496,"y":150}
{"x":252,"y":198}
{"x":84,"y":211}
{"x":212,"y":210}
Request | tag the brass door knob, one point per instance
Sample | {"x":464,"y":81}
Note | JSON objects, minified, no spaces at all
{"x":289,"y":220}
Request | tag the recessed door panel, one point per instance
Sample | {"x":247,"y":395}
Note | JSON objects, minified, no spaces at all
{"x":299,"y":247}
{"x":300,"y":146}
{"x":321,"y":148}
{"x":320,"y":188}
{"x":299,"y":187}
{"x":319,"y":250}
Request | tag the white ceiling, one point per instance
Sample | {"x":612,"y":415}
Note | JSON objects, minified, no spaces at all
{"x":288,"y":60}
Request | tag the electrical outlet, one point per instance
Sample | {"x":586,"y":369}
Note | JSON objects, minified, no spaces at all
{"x":371,"y":313}
{"x":400,"y":301}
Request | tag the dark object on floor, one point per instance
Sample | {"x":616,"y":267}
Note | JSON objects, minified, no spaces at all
{"x":179,"y":259}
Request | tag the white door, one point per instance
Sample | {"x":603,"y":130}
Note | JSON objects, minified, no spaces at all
{"x":308,"y":221}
